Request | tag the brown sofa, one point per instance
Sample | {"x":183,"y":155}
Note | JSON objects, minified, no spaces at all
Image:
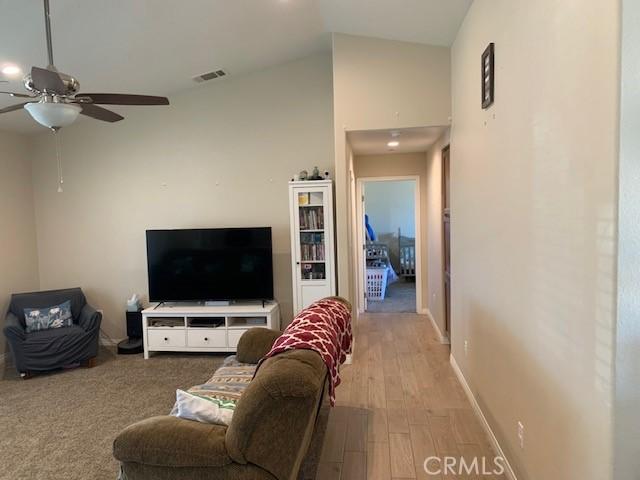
{"x":269,"y":435}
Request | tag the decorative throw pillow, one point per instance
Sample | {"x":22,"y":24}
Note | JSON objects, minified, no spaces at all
{"x":45,"y":318}
{"x":214,"y":401}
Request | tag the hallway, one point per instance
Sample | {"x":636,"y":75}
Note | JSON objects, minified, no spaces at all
{"x":400,"y":402}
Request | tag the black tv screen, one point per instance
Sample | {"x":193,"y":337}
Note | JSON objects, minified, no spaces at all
{"x":210,"y":264}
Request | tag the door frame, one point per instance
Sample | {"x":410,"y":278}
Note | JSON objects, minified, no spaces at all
{"x":361,"y":284}
{"x":445,"y":217}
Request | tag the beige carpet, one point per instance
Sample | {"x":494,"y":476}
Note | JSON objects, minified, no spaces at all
{"x":61,"y":425}
{"x":400,"y":297}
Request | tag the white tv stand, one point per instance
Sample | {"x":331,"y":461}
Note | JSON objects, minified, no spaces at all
{"x":198,"y":328}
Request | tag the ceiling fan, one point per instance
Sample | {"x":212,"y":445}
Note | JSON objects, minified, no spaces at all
{"x":55,"y":101}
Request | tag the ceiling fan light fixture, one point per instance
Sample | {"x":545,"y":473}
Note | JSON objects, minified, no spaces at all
{"x":53,"y":115}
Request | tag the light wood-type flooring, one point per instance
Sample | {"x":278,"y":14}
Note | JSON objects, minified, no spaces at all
{"x":399,"y":403}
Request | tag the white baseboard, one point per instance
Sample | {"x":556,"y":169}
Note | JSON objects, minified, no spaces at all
{"x":110,"y":342}
{"x":483,"y":420}
{"x":441,"y":338}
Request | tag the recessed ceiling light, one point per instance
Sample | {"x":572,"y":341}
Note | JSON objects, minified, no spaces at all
{"x":11,"y":70}
{"x":393,"y":144}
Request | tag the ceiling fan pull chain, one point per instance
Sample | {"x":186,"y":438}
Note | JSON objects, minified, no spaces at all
{"x":58,"y":159}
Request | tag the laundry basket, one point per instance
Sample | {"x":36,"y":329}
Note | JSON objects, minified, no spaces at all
{"x":376,"y":283}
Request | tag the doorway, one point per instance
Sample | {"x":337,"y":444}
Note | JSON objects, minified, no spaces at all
{"x":389,"y":218}
{"x":390,"y":155}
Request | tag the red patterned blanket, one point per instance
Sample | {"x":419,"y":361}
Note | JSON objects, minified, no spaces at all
{"x":324,"y":327}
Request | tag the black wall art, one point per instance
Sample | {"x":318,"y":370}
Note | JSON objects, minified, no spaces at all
{"x":487,"y":76}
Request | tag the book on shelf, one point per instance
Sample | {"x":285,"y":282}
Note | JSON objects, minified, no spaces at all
{"x":312,"y":252}
{"x":311,"y":219}
{"x":312,"y":237}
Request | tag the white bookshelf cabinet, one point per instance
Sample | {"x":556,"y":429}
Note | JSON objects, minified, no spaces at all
{"x":312,"y":241}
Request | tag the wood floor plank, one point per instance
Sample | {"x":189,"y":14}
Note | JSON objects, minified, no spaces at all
{"x":360,"y":386}
{"x":354,"y":466}
{"x":423,"y":449}
{"x":376,"y":389}
{"x":465,"y":426}
{"x":357,"y":431}
{"x":375,"y":350}
{"x":397,"y":420}
{"x":439,"y":400}
{"x":416,"y":415}
{"x":393,"y":388}
{"x":443,"y":436}
{"x":343,"y":391}
{"x":410,"y":386}
{"x":390,"y":365}
{"x":335,"y":436}
{"x":423,"y":371}
{"x":378,"y":430}
{"x":329,"y":471}
{"x":401,"y":456}
{"x":378,"y":461}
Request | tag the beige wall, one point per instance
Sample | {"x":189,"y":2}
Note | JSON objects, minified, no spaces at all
{"x":534,"y":230}
{"x":435,"y":290}
{"x":18,"y":252}
{"x":402,"y":164}
{"x":381,"y":84}
{"x":219,"y":156}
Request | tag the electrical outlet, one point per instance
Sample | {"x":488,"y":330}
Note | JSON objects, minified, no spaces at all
{"x":521,"y":434}
{"x":466,"y":347}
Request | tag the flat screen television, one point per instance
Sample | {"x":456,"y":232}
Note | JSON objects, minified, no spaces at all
{"x":217,"y":264}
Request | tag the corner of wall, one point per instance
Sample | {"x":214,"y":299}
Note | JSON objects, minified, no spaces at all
{"x":19,"y":257}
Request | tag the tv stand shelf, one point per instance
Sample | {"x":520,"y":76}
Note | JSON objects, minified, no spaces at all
{"x":198,"y":328}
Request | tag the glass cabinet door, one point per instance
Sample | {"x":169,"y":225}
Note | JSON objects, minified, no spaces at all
{"x":311,"y":232}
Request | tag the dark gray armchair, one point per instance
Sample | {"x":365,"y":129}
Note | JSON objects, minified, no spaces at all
{"x":57,"y":347}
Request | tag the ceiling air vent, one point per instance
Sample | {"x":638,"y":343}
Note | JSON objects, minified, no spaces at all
{"x":210,"y":76}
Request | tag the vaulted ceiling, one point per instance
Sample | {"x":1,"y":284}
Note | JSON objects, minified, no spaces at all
{"x":157,"y":46}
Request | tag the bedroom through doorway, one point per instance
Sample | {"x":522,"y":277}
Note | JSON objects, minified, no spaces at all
{"x":389,"y":207}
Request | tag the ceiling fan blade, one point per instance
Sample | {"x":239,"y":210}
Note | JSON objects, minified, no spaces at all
{"x":47,"y":80}
{"x":13,"y":107}
{"x":100,"y":113}
{"x":18,"y":95}
{"x":124,"y":99}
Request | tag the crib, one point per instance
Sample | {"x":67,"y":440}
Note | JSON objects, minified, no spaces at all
{"x":407,"y":252}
